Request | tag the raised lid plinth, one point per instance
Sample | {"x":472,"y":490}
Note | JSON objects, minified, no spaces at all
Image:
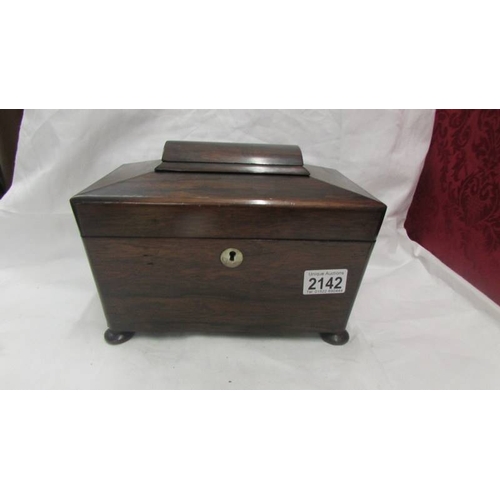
{"x":234,"y":158}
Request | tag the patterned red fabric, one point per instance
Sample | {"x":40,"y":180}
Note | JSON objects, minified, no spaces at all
{"x":455,"y":212}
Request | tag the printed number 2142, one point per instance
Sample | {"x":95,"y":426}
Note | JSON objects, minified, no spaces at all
{"x":318,"y":284}
{"x":320,"y":281}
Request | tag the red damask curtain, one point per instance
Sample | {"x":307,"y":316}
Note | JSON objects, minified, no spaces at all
{"x":455,"y":212}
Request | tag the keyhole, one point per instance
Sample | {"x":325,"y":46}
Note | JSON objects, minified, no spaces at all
{"x":231,"y":257}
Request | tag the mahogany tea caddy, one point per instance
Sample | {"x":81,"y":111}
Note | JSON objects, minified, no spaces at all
{"x":227,"y":238}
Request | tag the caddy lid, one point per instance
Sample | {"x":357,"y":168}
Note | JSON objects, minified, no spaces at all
{"x":150,"y":200}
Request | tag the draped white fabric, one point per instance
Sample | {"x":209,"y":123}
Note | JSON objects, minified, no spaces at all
{"x":415,"y":324}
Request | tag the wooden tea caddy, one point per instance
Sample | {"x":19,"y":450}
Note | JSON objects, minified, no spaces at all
{"x":227,"y":238}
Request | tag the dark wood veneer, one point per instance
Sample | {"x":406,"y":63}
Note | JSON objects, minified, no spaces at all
{"x":161,"y":284}
{"x":154,"y":240}
{"x":120,"y":219}
{"x":233,"y":153}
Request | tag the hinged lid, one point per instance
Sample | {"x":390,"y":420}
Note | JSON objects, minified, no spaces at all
{"x":234,"y":158}
{"x":138,"y":201}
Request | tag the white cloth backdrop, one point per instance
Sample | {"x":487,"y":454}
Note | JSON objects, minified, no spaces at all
{"x":415,"y":324}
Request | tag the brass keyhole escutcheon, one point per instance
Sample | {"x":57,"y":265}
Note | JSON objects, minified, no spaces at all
{"x":231,"y":257}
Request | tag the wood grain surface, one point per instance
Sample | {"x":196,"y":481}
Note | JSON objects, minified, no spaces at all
{"x":231,"y":168}
{"x":258,"y":222}
{"x":185,"y":205}
{"x":229,"y":152}
{"x":180,"y":285}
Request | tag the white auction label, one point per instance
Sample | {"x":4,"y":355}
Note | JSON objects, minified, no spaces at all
{"x":325,"y":281}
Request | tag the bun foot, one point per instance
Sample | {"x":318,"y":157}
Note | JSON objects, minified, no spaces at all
{"x":115,"y":338}
{"x":339,"y":338}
